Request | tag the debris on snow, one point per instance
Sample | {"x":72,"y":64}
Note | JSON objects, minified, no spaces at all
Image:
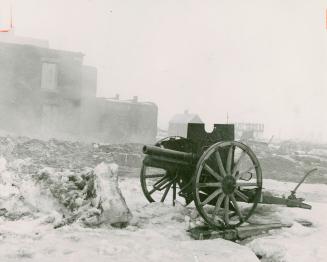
{"x":46,"y":184}
{"x":91,"y":197}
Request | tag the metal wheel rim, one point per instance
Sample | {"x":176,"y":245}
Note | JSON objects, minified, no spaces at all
{"x":223,"y":223}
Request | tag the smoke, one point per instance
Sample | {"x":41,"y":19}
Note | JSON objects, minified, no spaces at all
{"x":260,"y":61}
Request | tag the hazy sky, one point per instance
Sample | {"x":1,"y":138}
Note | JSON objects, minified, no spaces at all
{"x":259,"y":60}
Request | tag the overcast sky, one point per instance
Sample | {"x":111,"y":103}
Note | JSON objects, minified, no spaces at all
{"x":259,"y":60}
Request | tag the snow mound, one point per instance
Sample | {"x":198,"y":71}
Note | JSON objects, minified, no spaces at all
{"x":90,"y":197}
{"x":109,"y":198}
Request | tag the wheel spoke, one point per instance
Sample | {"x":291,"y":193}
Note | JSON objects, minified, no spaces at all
{"x":165,"y":182}
{"x":220,"y":164}
{"x":246,"y":184}
{"x":212,"y":172}
{"x":210,"y":184}
{"x":218,"y":204}
{"x":158,"y":184}
{"x":226,"y":210}
{"x":237,"y":165}
{"x":174,"y":193}
{"x":229,"y":160}
{"x":154,"y":175}
{"x":212,"y":196}
{"x":237,"y":209}
{"x":152,"y":191}
{"x":161,"y":181}
{"x":241,"y":195}
{"x":166,"y":192}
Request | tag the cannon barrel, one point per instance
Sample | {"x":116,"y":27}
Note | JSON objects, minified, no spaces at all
{"x":168,"y":153}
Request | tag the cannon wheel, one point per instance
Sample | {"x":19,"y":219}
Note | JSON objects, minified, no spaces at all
{"x":170,"y":180}
{"x":219,"y":184}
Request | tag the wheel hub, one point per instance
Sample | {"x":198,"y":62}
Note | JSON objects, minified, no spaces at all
{"x":228,"y":184}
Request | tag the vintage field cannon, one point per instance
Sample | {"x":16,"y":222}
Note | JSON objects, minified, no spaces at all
{"x":222,"y":176}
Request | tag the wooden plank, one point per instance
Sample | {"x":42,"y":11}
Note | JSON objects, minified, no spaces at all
{"x":242,"y":232}
{"x":254,"y":230}
{"x":203,"y":233}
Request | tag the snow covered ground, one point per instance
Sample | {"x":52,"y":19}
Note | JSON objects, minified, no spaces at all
{"x":157,"y":232}
{"x":297,"y":243}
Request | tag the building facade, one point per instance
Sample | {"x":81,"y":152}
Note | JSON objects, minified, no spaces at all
{"x":118,"y":121}
{"x":246,"y":131}
{"x":38,"y":87}
{"x":50,"y":93}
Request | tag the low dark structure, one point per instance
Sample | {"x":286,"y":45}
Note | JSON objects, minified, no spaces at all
{"x":121,"y":121}
{"x":222,"y":176}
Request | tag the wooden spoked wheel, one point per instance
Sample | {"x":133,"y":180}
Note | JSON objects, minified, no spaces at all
{"x":162,"y":185}
{"x":227,"y":184}
{"x":157,"y":183}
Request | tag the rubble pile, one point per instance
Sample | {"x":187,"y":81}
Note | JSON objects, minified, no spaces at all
{"x":67,"y":154}
{"x":285,"y":161}
{"x":91,"y":197}
{"x":68,"y":181}
{"x":288,"y":161}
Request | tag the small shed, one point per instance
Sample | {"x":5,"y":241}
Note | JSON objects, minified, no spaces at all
{"x":178,"y":123}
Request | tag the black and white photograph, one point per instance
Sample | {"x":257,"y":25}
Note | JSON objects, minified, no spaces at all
{"x":163,"y":130}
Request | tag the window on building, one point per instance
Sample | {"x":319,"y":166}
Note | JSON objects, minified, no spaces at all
{"x":49,"y":76}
